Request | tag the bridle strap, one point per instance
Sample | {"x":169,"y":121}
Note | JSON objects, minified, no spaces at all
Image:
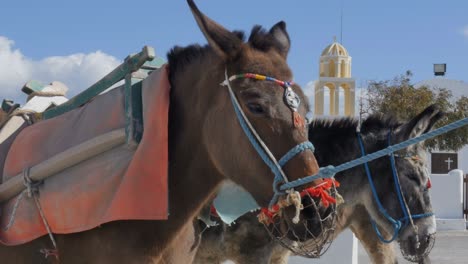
{"x":296,"y":150}
{"x":261,"y":148}
{"x":396,"y":180}
{"x":397,"y":224}
{"x":253,"y":136}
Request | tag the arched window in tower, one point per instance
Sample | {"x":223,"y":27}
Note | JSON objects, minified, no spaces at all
{"x":326,"y":94}
{"x":341,"y":101}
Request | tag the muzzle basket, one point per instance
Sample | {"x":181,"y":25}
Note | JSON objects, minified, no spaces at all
{"x":420,"y":249}
{"x":312,"y":235}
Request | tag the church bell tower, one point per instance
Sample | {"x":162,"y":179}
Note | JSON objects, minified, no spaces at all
{"x":335,"y":74}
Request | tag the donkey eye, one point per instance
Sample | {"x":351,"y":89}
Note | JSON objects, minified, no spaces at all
{"x":414,"y":178}
{"x":255,"y":108}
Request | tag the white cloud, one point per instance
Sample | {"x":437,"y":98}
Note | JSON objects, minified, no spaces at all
{"x":309,"y":89}
{"x":78,"y":71}
{"x":464,"y":31}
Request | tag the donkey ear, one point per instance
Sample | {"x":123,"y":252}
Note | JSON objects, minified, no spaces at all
{"x":422,"y":123}
{"x":280,"y":35}
{"x":225,"y":43}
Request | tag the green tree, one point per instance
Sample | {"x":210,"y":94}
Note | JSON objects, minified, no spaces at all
{"x":401,"y":99}
{"x":456,"y":139}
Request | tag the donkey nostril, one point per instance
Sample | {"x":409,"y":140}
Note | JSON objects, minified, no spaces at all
{"x":429,"y":238}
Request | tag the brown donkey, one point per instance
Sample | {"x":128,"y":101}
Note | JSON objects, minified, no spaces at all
{"x":206,"y":146}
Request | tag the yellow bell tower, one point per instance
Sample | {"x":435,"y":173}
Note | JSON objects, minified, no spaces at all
{"x":335,"y":73}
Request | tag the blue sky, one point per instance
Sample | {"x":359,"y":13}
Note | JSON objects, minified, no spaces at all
{"x":78,"y":41}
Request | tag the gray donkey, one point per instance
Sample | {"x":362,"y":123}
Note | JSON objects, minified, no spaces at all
{"x":336,"y":142}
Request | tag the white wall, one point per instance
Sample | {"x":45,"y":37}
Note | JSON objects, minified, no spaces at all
{"x":343,"y":250}
{"x":447,"y":200}
{"x":463,"y":159}
{"x":447,"y":194}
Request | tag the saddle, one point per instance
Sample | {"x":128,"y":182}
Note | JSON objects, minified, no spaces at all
{"x":122,"y":183}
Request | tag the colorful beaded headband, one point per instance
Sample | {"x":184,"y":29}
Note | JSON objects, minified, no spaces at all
{"x":261,"y":78}
{"x":291,"y":99}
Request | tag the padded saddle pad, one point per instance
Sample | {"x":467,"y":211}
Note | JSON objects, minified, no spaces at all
{"x":120,"y":184}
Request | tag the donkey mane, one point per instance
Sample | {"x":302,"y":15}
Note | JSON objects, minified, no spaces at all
{"x":343,"y":127}
{"x":179,"y":57}
{"x":336,"y":128}
{"x":377,"y":122}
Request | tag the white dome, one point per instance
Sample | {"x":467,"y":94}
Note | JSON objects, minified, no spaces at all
{"x":335,"y":49}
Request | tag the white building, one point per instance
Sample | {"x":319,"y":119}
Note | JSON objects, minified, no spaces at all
{"x":458,"y":89}
{"x":449,"y":191}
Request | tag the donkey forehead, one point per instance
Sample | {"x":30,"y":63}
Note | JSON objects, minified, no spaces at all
{"x":415,"y":165}
{"x":411,"y":160}
{"x":418,"y":160}
{"x":264,"y":62}
{"x":272,"y":92}
{"x":268,"y":63}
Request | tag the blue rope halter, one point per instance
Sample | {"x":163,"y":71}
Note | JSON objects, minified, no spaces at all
{"x":330,"y":170}
{"x":398,"y":224}
{"x":261,"y":148}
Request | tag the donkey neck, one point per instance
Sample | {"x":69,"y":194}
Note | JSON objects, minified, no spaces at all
{"x":335,"y":150}
{"x":193,"y":178}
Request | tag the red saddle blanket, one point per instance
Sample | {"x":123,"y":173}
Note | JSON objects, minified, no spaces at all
{"x":120,"y":184}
